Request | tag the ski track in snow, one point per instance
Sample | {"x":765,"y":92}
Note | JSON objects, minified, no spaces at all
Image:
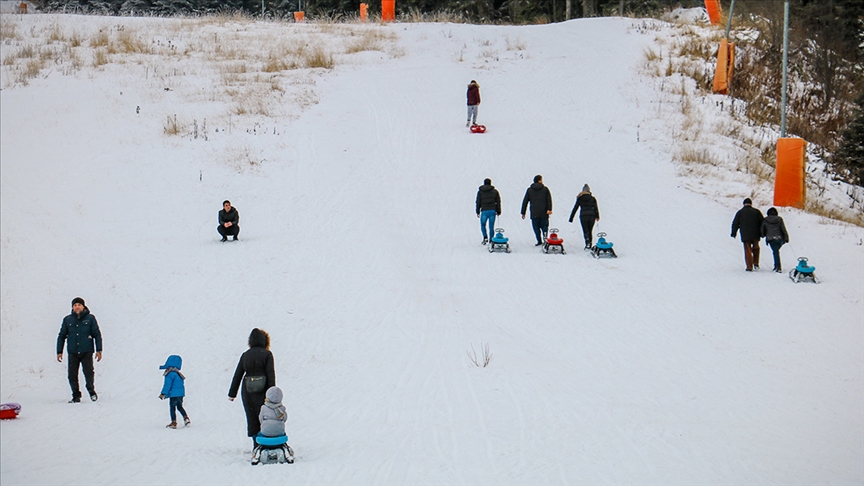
{"x":360,"y":255}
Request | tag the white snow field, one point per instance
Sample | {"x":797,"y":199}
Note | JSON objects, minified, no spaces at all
{"x":360,"y":254}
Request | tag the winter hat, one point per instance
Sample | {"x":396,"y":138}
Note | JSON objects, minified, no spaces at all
{"x":585,"y":188}
{"x":173,"y":361}
{"x":487,"y":181}
{"x":274,"y":394}
{"x":747,"y":201}
{"x":78,"y":300}
{"x":772,"y":212}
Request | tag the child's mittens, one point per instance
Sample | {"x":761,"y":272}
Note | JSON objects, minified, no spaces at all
{"x":161,"y":396}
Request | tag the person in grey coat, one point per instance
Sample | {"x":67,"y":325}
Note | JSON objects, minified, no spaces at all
{"x":273,"y":414}
{"x":748,"y":220}
{"x":774,"y":232}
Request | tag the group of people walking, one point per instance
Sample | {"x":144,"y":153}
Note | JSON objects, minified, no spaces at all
{"x":254,"y":377}
{"x":538,"y":198}
{"x":752,"y":227}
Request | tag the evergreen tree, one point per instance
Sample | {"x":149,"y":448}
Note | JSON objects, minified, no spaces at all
{"x":848,"y":161}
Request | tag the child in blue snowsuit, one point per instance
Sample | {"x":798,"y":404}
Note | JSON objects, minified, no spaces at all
{"x":174,"y":389}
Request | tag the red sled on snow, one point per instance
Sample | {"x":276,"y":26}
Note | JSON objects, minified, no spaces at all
{"x":478,"y":128}
{"x":9,"y":410}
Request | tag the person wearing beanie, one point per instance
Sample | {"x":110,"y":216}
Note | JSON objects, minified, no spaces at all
{"x":256,"y":372}
{"x":229,"y":221}
{"x":589,"y":215}
{"x":473,"y":95}
{"x":79,"y":331}
{"x":174,"y":389}
{"x":748,"y":220}
{"x":541,"y":207}
{"x":487,"y":206}
{"x":774,"y":232}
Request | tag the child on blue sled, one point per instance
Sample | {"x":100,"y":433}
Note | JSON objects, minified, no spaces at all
{"x":272,"y":439}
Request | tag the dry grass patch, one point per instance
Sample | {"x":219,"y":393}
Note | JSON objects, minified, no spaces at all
{"x":128,"y":42}
{"x":8,"y":30}
{"x":369,"y":40}
{"x":100,"y":57}
{"x":100,"y":39}
{"x":689,"y":154}
{"x":517,"y":44}
{"x":317,"y":57}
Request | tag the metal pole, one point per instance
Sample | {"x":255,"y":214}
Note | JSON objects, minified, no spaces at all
{"x":729,"y":20}
{"x":785,"y":66}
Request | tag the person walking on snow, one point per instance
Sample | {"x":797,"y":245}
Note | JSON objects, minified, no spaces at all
{"x":488,"y":206}
{"x":81,"y":331}
{"x":174,"y":389}
{"x":748,"y":220}
{"x":256,"y":372}
{"x":774,"y":232}
{"x":473,"y":102}
{"x":229,"y":221}
{"x":588,"y":216}
{"x":541,"y":207}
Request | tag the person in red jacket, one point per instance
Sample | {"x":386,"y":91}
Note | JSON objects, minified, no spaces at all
{"x":473,"y":102}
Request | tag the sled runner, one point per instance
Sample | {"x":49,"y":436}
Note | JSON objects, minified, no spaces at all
{"x":499,"y":242}
{"x":603,"y":248}
{"x":803,"y":272}
{"x":553,"y":243}
{"x":478,"y":128}
{"x":272,"y":450}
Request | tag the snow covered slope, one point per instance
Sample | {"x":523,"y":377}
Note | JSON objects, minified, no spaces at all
{"x":360,"y":254}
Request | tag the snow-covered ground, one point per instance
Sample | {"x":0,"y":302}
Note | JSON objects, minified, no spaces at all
{"x":361,"y":256}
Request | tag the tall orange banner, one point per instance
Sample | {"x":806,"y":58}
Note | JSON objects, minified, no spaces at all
{"x":713,"y":8}
{"x":725,"y":64}
{"x":364,"y":11}
{"x":388,"y":10}
{"x":789,"y":187}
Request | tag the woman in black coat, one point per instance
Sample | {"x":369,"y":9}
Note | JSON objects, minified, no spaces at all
{"x":256,"y":372}
{"x":589,"y":215}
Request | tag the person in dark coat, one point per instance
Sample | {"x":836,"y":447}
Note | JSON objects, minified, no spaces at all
{"x":541,"y":207}
{"x":589,"y":215}
{"x":473,"y":96}
{"x":774,"y":232}
{"x":488,"y":206}
{"x":748,"y":220}
{"x":81,"y":331}
{"x":229,"y":221}
{"x":256,"y":372}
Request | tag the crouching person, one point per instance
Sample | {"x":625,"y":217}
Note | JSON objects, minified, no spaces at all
{"x":272,"y":416}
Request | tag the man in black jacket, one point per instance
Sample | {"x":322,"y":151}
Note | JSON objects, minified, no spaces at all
{"x":487,"y":205}
{"x":229,"y":221}
{"x":81,"y":330}
{"x":748,"y":220}
{"x":541,"y":207}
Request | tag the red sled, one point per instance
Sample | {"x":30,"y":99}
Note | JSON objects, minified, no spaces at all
{"x":9,"y":411}
{"x":478,"y":128}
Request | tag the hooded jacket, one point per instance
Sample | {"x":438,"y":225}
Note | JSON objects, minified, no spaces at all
{"x":773,"y":228}
{"x":588,"y":203}
{"x":173,"y":385}
{"x":273,"y":414}
{"x":81,"y":331}
{"x":488,"y":199}
{"x":540,"y":198}
{"x":749,"y":221}
{"x":473,"y":94}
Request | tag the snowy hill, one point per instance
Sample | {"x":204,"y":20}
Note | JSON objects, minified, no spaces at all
{"x":360,"y":254}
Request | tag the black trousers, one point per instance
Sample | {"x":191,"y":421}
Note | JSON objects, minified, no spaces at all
{"x":86,"y":362}
{"x":232,"y":230}
{"x":587,"y":228}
